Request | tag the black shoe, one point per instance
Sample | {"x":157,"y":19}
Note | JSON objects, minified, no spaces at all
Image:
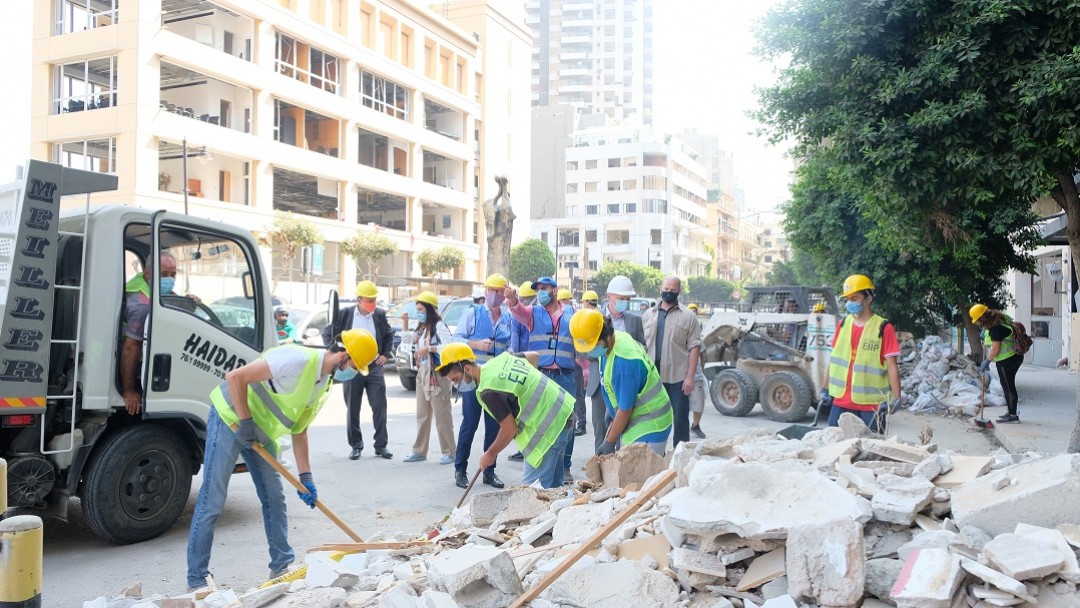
{"x":385,"y":453}
{"x":579,"y":432}
{"x":1009,"y":418}
{"x":492,"y":480}
{"x":696,"y":431}
{"x":461,"y":480}
{"x":519,"y":457}
{"x":355,"y":455}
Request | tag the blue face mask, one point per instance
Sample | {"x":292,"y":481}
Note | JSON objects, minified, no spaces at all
{"x":167,"y":284}
{"x":344,"y":375}
{"x":853,"y":307}
{"x":622,"y":306}
{"x":598,"y":351}
{"x":421,"y":316}
{"x":464,"y":386}
{"x":543,"y":298}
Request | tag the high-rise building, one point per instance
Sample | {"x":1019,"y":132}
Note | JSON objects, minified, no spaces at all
{"x":362,"y":116}
{"x":594,"y":54}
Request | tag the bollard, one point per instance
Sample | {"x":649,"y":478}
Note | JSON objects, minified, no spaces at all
{"x":3,"y":487}
{"x":20,"y":562}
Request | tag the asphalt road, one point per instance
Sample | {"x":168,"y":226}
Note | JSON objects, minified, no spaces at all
{"x":371,"y":495}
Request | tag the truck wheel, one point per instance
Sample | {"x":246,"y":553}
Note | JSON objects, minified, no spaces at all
{"x":137,"y":484}
{"x":408,"y":381}
{"x":733,"y":392}
{"x":785,"y":397}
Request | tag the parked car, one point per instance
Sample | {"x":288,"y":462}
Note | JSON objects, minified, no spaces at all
{"x":450,"y":309}
{"x":309,"y":322}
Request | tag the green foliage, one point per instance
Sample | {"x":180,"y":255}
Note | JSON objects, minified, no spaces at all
{"x":645,"y":278}
{"x":711,"y":252}
{"x":367,"y":250}
{"x":288,"y":234}
{"x":708,"y":289}
{"x":529,"y":261}
{"x":782,"y":273}
{"x":434,"y":262}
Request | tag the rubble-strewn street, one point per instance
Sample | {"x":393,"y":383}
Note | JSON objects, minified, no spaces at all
{"x":838,"y":518}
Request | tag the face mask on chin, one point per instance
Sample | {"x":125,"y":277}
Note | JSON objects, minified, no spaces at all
{"x":464,"y":386}
{"x":345,"y":374}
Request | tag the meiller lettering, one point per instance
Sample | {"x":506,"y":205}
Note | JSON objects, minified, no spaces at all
{"x":212,"y":354}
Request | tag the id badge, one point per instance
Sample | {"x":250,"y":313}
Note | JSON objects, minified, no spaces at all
{"x":553,"y":343}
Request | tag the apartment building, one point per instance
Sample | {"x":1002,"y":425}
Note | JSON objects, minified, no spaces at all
{"x":360,"y":115}
{"x":594,"y":54}
{"x":631,"y":194}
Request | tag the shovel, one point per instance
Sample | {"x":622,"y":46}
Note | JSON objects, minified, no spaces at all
{"x":434,"y":531}
{"x":980,"y":422}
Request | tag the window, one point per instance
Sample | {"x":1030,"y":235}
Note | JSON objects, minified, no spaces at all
{"x":568,"y":237}
{"x":630,"y":208}
{"x":614,"y":162}
{"x":618,"y":237}
{"x":592,"y":264}
{"x":592,"y":209}
{"x":654,"y":182}
{"x":571,"y":211}
{"x":590,"y":164}
{"x":85,"y":85}
{"x":90,"y":155}
{"x":571,"y":165}
{"x":571,"y":188}
{"x":323,"y":68}
{"x":384,"y":95}
{"x":590,"y":236}
{"x":79,"y":15}
{"x":655,"y":236}
{"x":613,"y":208}
{"x":629,"y":184}
{"x":613,"y":186}
{"x":543,"y":236}
{"x":591,"y":186}
{"x":630,"y":161}
{"x":768,"y":258}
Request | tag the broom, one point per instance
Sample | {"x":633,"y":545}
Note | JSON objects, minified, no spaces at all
{"x":980,"y":422}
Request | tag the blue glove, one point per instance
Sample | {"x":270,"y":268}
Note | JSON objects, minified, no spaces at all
{"x":605,"y":448}
{"x":984,"y":366}
{"x":245,"y":432}
{"x":824,"y":394}
{"x":312,"y":494}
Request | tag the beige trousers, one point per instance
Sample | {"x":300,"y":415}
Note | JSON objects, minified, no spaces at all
{"x":433,"y":400}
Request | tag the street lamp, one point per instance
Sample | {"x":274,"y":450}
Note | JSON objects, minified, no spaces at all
{"x":200,"y":154}
{"x":649,"y":257}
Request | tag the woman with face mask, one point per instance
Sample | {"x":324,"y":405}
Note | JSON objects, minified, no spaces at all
{"x":432,"y":390}
{"x":638,"y":407}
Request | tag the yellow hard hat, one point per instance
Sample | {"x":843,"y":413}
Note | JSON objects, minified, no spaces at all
{"x":856,"y":283}
{"x":590,"y":296}
{"x":692,"y":307}
{"x":564,"y":294}
{"x":976,"y":312}
{"x":496,"y":281}
{"x":455,"y":352}
{"x":526,"y":290}
{"x":366,"y":289}
{"x":428,"y":298}
{"x":819,"y":307}
{"x":361,"y":346}
{"x":585,"y":327}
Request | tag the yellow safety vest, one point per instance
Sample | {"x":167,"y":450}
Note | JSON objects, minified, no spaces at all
{"x":1008,"y":345}
{"x":869,"y":378}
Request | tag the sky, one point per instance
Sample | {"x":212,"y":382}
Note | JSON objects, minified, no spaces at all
{"x":704,"y":76}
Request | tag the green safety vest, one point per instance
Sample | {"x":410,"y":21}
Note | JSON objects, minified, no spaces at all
{"x":278,"y":414}
{"x":1008,"y":345}
{"x":869,"y":378}
{"x":138,"y":284}
{"x":543,"y":406}
{"x":652,"y":409}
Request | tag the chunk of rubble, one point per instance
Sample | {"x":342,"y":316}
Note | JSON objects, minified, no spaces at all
{"x":624,"y":584}
{"x":322,"y":571}
{"x":828,"y":455}
{"x":1039,"y":491}
{"x":929,"y":579}
{"x":505,"y":506}
{"x":323,"y":597}
{"x":826,"y":562}
{"x":581,"y":521}
{"x":479,"y":577}
{"x":1070,"y":571}
{"x":964,"y":469}
{"x":764,"y":569}
{"x":820,"y":438}
{"x":933,"y":539}
{"x":997,"y":579}
{"x":756,"y":501}
{"x":1023,"y":557}
{"x":901,"y":498}
{"x":257,"y":598}
{"x":852,"y":427}
{"x":893,"y":450}
{"x":773,"y":450}
{"x":881,"y":575}
{"x":634,"y":463}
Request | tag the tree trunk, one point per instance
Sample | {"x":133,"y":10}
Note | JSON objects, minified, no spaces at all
{"x":499,"y":223}
{"x":1069,"y":199}
{"x":973,"y":340}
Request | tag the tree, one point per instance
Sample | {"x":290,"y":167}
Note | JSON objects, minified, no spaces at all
{"x":646,"y":279}
{"x":368,"y":249}
{"x":434,"y":262}
{"x":529,"y":261}
{"x":288,"y":234}
{"x":711,"y":252}
{"x":782,"y":273}
{"x":709,"y":289}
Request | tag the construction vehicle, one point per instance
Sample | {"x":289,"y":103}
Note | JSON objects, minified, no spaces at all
{"x":772,"y":348}
{"x":64,"y":430}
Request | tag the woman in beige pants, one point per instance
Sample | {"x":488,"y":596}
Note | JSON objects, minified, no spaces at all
{"x":432,"y":390}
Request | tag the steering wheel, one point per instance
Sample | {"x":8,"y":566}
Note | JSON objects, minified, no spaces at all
{"x":187,"y":304}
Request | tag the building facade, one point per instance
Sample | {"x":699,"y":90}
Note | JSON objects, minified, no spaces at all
{"x":631,"y":194}
{"x":360,"y":116}
{"x":595,"y":54}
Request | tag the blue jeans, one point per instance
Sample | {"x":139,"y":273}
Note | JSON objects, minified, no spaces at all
{"x":866,"y":417}
{"x":549,"y":473}
{"x":471,"y":413}
{"x":565,"y":379}
{"x":219,"y":460}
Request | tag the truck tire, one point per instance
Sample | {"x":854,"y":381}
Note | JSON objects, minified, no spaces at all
{"x":408,"y":381}
{"x":137,"y":485}
{"x":733,"y":392}
{"x":785,"y":397}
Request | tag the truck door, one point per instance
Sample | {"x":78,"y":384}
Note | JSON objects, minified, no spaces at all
{"x":212,"y":319}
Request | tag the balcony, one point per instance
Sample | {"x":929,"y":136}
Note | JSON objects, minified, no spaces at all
{"x":209,"y":24}
{"x":443,"y":120}
{"x":210,"y":176}
{"x":200,"y":97}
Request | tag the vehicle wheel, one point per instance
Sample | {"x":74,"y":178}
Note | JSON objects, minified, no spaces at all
{"x":733,"y":392}
{"x":785,"y":397}
{"x":408,"y":381}
{"x":137,"y":484}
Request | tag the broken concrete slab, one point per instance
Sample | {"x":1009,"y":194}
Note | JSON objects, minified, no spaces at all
{"x":773,"y":450}
{"x":621,"y":584}
{"x":882,"y":541}
{"x":1039,"y":492}
{"x":775,"y":588}
{"x":881,"y":575}
{"x":934,"y":539}
{"x":437,"y":599}
{"x":634,"y":463}
{"x":827,"y":455}
{"x":1070,"y":571}
{"x":698,"y":561}
{"x":757,"y":501}
{"x":581,"y":521}
{"x":825,"y":562}
{"x":997,"y":579}
{"x":257,"y":598}
{"x":929,"y":579}
{"x":322,"y":571}
{"x":863,"y":480}
{"x":323,"y":597}
{"x":483,"y":577}
{"x":903,"y":469}
{"x":970,"y":541}
{"x":764,"y":569}
{"x":505,"y":506}
{"x":930,"y":468}
{"x":1023,"y":557}
{"x":892,"y":450}
{"x":852,"y":427}
{"x":964,"y":469}
{"x":656,"y":546}
{"x":823,"y":437}
{"x":901,"y":498}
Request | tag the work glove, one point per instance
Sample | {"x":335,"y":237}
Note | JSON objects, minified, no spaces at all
{"x":824,"y":395}
{"x":245,"y":432}
{"x":312,"y":494}
{"x":984,"y":366}
{"x":605,"y":448}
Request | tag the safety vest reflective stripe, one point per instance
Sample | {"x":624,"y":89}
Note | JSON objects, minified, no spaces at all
{"x":649,"y":395}
{"x":834,"y":360}
{"x":550,"y":420}
{"x":870,"y":369}
{"x":271,"y":405}
{"x":540,"y":339}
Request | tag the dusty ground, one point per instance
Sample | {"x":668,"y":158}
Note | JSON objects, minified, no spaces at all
{"x":372,"y":495}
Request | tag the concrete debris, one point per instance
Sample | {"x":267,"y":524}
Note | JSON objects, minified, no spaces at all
{"x":826,"y":562}
{"x":935,"y":539}
{"x":852,"y":427}
{"x":1040,"y":491}
{"x":900,"y":499}
{"x":476,"y":576}
{"x":634,"y":463}
{"x":505,"y":506}
{"x":881,"y":575}
{"x":773,"y":450}
{"x":1023,"y":557}
{"x":624,"y":584}
{"x":929,"y":579}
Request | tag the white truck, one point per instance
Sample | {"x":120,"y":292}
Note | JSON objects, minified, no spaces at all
{"x":64,"y":430}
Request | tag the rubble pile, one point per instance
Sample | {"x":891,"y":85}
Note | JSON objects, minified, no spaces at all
{"x":839,"y":518}
{"x":935,"y":378}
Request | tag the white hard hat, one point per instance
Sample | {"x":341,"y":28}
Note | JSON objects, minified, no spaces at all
{"x":621,"y":286}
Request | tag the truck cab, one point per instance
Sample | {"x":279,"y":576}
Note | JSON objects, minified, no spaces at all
{"x":64,"y":429}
